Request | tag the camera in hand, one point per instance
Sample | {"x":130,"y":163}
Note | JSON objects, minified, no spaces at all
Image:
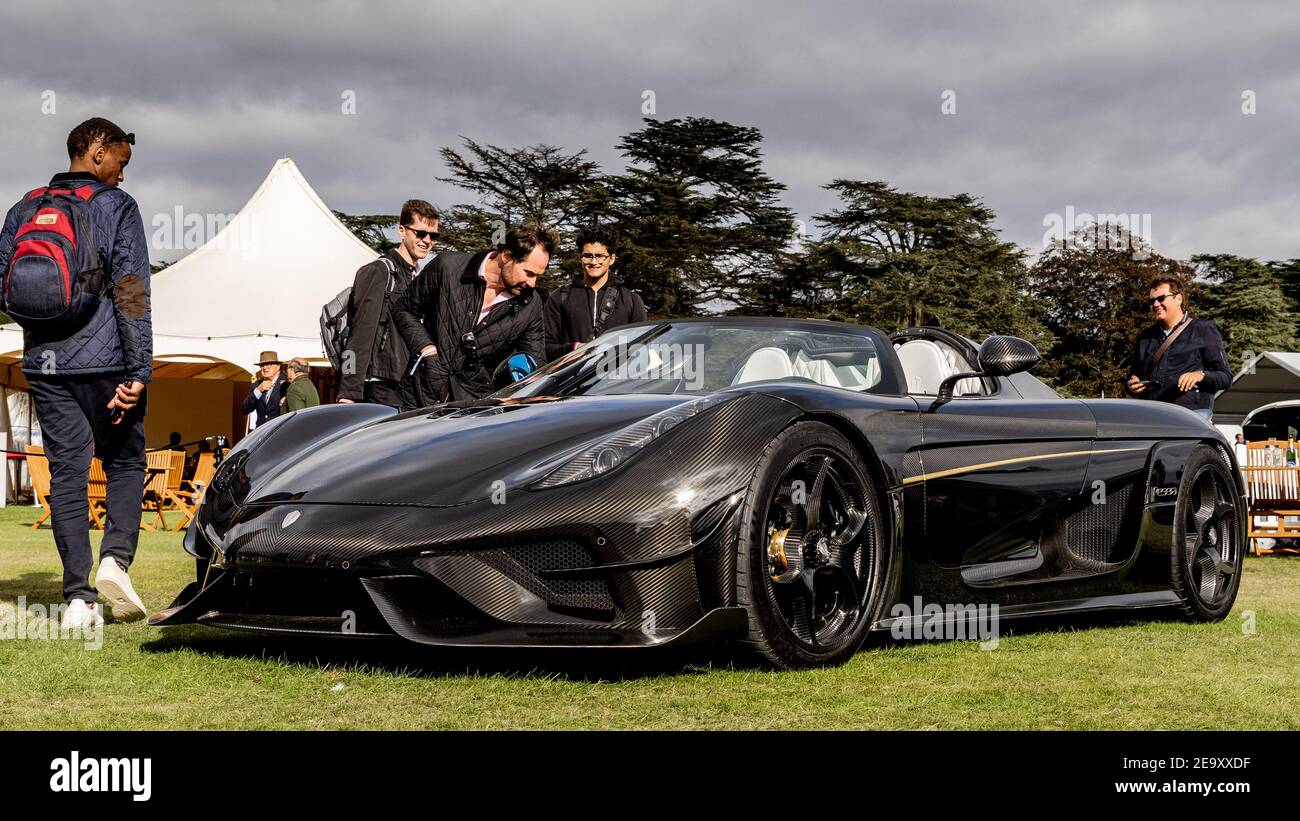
{"x":469,"y":348}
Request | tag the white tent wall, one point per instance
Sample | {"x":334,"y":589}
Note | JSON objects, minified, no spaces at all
{"x":21,"y":422}
{"x":1269,"y":377}
{"x":17,"y":419}
{"x":256,"y":285}
{"x":260,"y":283}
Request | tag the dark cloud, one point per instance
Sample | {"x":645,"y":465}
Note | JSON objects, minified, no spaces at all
{"x":1110,"y":108}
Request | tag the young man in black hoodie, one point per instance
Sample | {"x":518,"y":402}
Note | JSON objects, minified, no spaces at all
{"x":585,"y":309}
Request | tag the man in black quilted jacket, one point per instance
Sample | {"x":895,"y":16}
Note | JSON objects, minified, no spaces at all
{"x":468,"y":313}
{"x":88,"y":383}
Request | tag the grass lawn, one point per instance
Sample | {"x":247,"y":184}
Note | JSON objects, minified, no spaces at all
{"x":1104,"y":673}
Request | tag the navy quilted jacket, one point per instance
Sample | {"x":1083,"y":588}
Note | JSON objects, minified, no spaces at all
{"x":119,"y":337}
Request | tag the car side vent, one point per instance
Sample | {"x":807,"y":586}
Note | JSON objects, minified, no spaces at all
{"x":1103,"y":532}
{"x":456,"y":413}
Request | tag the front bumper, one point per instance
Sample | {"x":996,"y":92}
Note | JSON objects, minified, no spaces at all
{"x":608,"y":586}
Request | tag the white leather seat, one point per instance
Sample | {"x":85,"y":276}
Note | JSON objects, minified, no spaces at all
{"x":851,"y":377}
{"x":924,"y":365}
{"x":764,"y":363}
{"x":966,"y":387}
{"x":859,"y":377}
{"x":818,"y":370}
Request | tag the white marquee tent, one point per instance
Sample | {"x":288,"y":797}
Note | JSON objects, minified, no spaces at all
{"x":260,"y":283}
{"x":1268,"y":377}
{"x":257,"y":285}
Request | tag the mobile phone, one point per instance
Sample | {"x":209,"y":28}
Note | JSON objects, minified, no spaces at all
{"x":116,"y":413}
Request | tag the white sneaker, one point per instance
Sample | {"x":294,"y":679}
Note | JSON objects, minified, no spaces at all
{"x":80,"y":615}
{"x":115,"y":586}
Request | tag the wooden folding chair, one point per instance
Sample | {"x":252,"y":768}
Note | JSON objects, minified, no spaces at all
{"x":158,"y":465}
{"x":173,"y":499}
{"x":38,"y":466}
{"x":97,"y":492}
{"x":203,"y":470}
{"x":191,"y":491}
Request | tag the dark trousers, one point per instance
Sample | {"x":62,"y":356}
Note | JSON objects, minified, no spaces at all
{"x":76,"y":424}
{"x":391,"y":393}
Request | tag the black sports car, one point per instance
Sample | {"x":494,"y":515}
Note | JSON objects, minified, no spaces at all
{"x":782,"y":484}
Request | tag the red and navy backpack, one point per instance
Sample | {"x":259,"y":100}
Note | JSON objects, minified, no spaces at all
{"x":54,"y":276}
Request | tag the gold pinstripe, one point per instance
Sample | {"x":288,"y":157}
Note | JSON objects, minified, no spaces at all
{"x":982,"y":465}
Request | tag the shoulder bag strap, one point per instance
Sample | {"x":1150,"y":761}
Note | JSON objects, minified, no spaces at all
{"x":1169,"y":340}
{"x":606,"y":309}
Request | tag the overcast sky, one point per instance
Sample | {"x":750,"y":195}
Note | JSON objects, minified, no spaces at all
{"x":1095,"y":107}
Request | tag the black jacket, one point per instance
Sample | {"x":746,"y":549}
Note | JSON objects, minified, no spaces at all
{"x":443,"y":304}
{"x":1198,"y":348}
{"x":571,"y":312}
{"x":268,"y":406}
{"x":374,"y":339}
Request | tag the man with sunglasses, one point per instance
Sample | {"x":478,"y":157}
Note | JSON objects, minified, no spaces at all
{"x":584,"y":309}
{"x":87,"y":373}
{"x":379,"y":353}
{"x":1178,"y":359}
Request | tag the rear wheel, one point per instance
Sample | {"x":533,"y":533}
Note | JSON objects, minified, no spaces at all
{"x":1209,"y":538}
{"x":811,"y":558}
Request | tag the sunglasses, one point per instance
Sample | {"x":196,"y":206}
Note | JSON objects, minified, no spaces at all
{"x":422,"y":235}
{"x":1153,"y":301}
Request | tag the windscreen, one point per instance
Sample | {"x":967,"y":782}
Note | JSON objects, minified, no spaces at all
{"x":698,"y":358}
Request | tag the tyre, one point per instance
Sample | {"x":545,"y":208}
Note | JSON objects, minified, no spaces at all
{"x":811,"y":558}
{"x":1209,"y":537}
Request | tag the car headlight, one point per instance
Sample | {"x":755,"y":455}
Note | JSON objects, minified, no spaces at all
{"x":614,"y":450}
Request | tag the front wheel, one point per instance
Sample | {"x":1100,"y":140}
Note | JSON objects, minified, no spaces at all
{"x":811,"y":559}
{"x":1209,"y":537}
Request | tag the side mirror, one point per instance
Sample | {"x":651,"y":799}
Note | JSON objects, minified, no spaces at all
{"x":998,"y":356}
{"x":1005,"y":355}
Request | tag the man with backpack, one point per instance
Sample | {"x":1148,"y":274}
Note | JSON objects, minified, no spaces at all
{"x":74,"y":273}
{"x":376,"y":369}
{"x":584,"y":309}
